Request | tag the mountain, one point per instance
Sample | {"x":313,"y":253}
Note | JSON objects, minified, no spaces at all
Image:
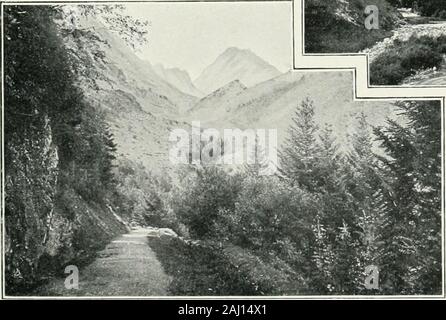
{"x":235,"y":64}
{"x":178,"y":78}
{"x":141,"y":108}
{"x":272,"y":103}
{"x":213,"y":102}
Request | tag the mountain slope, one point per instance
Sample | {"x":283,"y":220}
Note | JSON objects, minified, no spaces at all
{"x":235,"y":64}
{"x":337,"y":26}
{"x":178,"y":78}
{"x":212,"y":103}
{"x":271,"y":104}
{"x":140,"y":107}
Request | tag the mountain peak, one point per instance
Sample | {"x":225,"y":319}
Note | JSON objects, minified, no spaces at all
{"x":236,"y":50}
{"x":235,"y":64}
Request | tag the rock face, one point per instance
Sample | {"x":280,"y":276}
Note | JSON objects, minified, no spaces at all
{"x":33,"y":162}
{"x":235,"y":64}
{"x":40,"y":238}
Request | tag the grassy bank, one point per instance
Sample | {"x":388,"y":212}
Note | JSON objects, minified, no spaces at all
{"x":209,"y":269}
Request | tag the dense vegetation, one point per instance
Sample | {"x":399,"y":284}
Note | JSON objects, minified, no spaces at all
{"x":338,"y":27}
{"x":59,"y":153}
{"x":435,"y":8}
{"x":405,"y":58}
{"x":312,"y":229}
{"x":315,"y":228}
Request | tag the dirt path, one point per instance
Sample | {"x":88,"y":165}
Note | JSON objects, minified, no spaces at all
{"x":126,"y":267}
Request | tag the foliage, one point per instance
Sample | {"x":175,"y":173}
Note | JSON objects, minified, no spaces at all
{"x":59,"y":154}
{"x":209,"y":269}
{"x":412,"y":229}
{"x":338,"y":26}
{"x":202,"y":195}
{"x":330,"y":215}
{"x":435,"y":8}
{"x":405,"y":58}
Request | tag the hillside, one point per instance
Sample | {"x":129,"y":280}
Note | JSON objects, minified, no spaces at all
{"x":272,"y":103}
{"x":337,"y":26}
{"x":140,"y":106}
{"x":211,"y":105}
{"x":235,"y":64}
{"x":178,"y":78}
{"x":93,"y":206}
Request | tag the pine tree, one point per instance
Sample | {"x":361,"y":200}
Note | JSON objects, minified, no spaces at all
{"x":110,"y":149}
{"x":331,"y":191}
{"x":412,"y":231}
{"x":365,"y":188}
{"x":300,"y":155}
{"x":259,"y":158}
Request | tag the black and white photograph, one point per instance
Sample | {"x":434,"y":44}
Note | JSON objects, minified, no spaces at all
{"x":172,"y":149}
{"x":405,"y":39}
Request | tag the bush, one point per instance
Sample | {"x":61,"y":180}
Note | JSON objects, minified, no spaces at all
{"x":269,"y":217}
{"x":327,"y":32}
{"x":404,"y":59}
{"x":442,"y":14}
{"x":202,"y":194}
{"x":142,"y":197}
{"x":432,"y":7}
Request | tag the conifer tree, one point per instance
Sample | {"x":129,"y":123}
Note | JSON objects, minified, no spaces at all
{"x":366,"y":191}
{"x":300,"y":155}
{"x":412,"y":230}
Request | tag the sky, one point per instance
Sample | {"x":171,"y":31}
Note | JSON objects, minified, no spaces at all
{"x":190,"y":36}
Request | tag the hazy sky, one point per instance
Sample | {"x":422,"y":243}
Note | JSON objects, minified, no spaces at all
{"x":191,"y":35}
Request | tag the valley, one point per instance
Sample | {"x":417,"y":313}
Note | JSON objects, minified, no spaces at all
{"x":91,"y":184}
{"x":142,"y":106}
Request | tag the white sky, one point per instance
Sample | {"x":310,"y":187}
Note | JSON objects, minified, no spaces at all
{"x":191,"y":35}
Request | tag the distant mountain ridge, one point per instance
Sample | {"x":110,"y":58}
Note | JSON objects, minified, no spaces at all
{"x":140,"y":107}
{"x":235,"y":64}
{"x":209,"y":106}
{"x":272,"y":104}
{"x":178,"y":78}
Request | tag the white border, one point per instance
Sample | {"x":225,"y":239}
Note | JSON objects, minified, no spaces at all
{"x":355,"y":63}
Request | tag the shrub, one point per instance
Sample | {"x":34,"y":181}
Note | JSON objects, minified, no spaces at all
{"x":269,"y":216}
{"x":406,"y":58}
{"x":328,"y":32}
{"x":200,"y":197}
{"x":442,"y":14}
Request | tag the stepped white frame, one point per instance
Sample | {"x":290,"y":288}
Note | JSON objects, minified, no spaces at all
{"x":357,"y":63}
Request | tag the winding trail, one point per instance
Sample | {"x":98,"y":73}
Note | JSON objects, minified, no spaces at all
{"x":126,"y":267}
